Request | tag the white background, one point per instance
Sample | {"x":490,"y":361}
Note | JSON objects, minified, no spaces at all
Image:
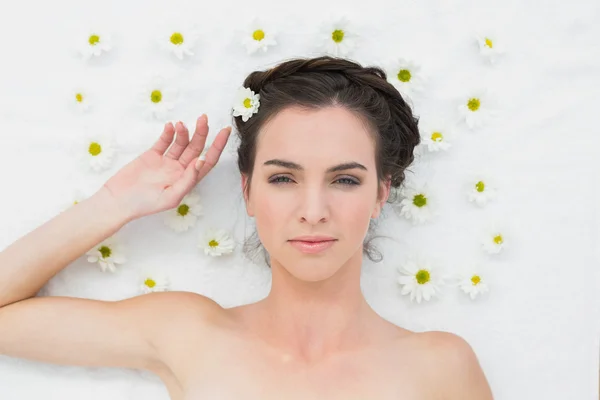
{"x":536,"y":334}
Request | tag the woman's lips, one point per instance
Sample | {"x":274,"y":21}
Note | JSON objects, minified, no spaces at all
{"x":312,"y":247}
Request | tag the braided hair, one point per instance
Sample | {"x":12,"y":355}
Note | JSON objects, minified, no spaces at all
{"x":326,"y":81}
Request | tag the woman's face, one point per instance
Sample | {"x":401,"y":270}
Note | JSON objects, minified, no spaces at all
{"x":288,"y":201}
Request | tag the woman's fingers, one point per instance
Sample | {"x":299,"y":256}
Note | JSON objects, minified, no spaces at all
{"x":191,"y":176}
{"x":183,"y":185}
{"x":163,"y":143}
{"x":214,"y":152}
{"x":196,"y":145}
{"x":181,"y":142}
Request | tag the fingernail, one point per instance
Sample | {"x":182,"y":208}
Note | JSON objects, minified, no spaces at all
{"x":199,"y":164}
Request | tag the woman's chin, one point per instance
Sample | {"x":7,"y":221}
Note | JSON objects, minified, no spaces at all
{"x":312,"y":273}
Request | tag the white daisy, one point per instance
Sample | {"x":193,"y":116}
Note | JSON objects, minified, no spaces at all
{"x":434,"y":139}
{"x":405,"y":74}
{"x":337,"y":36}
{"x":472,"y":282}
{"x":490,"y":47}
{"x":184,"y":216}
{"x":477,"y":108}
{"x":93,"y":42}
{"x":481,"y":190}
{"x":98,"y":150}
{"x":153,"y":280}
{"x":416,"y":203}
{"x":246,"y":103}
{"x":258,"y":36}
{"x":77,"y":196}
{"x":419,"y":278}
{"x":216,"y":242}
{"x":493,"y":240}
{"x":81,"y":100}
{"x":178,"y":40}
{"x":107,"y":254}
{"x":157,"y":98}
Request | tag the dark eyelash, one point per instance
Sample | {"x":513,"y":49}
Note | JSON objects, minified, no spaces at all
{"x":353,"y":182}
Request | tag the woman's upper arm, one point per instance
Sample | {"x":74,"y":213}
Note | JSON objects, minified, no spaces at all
{"x":84,"y":332}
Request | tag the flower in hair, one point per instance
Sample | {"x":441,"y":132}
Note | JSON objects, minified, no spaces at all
{"x":477,"y":108}
{"x":258,"y":37}
{"x":406,"y":76}
{"x":178,"y":40}
{"x":93,"y":42}
{"x":420,"y":278}
{"x":490,"y":47}
{"x":337,"y":36}
{"x":246,"y":103}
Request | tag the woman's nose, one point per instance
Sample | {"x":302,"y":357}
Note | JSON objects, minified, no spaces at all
{"x":314,"y":205}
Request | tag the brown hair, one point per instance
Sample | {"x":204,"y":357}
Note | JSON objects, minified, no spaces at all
{"x":315,"y":83}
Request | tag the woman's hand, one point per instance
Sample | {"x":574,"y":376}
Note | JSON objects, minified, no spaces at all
{"x":158,"y":181}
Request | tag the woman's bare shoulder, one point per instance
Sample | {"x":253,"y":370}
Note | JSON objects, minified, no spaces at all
{"x":451,"y":361}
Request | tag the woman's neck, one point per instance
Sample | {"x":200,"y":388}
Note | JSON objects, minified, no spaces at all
{"x":312,"y":320}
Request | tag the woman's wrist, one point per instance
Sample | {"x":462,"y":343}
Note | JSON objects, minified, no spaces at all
{"x":106,"y":203}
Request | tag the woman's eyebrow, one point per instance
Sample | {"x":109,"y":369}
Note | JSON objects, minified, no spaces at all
{"x":293,"y":165}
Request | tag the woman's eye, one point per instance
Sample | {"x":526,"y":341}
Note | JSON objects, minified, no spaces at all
{"x":347,"y":181}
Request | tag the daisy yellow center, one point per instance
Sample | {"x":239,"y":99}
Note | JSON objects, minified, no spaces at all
{"x":213,"y":243}
{"x":498,"y":239}
{"x":404,"y":75}
{"x":176,"y":38}
{"x":480,"y":186}
{"x":437,"y":137}
{"x":105,"y":251}
{"x":247,"y":102}
{"x":475,"y":279}
{"x":337,"y":35}
{"x":150,"y":282}
{"x":95,"y":149}
{"x":156,"y":96}
{"x":94,"y":40}
{"x":183,"y":209}
{"x":79,"y":97}
{"x":75,"y":202}
{"x":258,"y":34}
{"x":474,"y":104}
{"x":422,"y":276}
{"x":488,"y":43}
{"x":419,"y":200}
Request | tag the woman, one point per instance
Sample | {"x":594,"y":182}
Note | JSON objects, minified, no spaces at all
{"x":318,"y":155}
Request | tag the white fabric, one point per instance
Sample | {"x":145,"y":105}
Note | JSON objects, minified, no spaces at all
{"x":536,"y":335}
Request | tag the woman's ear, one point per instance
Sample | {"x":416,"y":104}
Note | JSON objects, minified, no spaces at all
{"x":245,"y":193}
{"x":384,"y":194}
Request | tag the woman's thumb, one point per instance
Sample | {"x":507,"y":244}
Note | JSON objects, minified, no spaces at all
{"x":199,"y":163}
{"x":187,"y":180}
